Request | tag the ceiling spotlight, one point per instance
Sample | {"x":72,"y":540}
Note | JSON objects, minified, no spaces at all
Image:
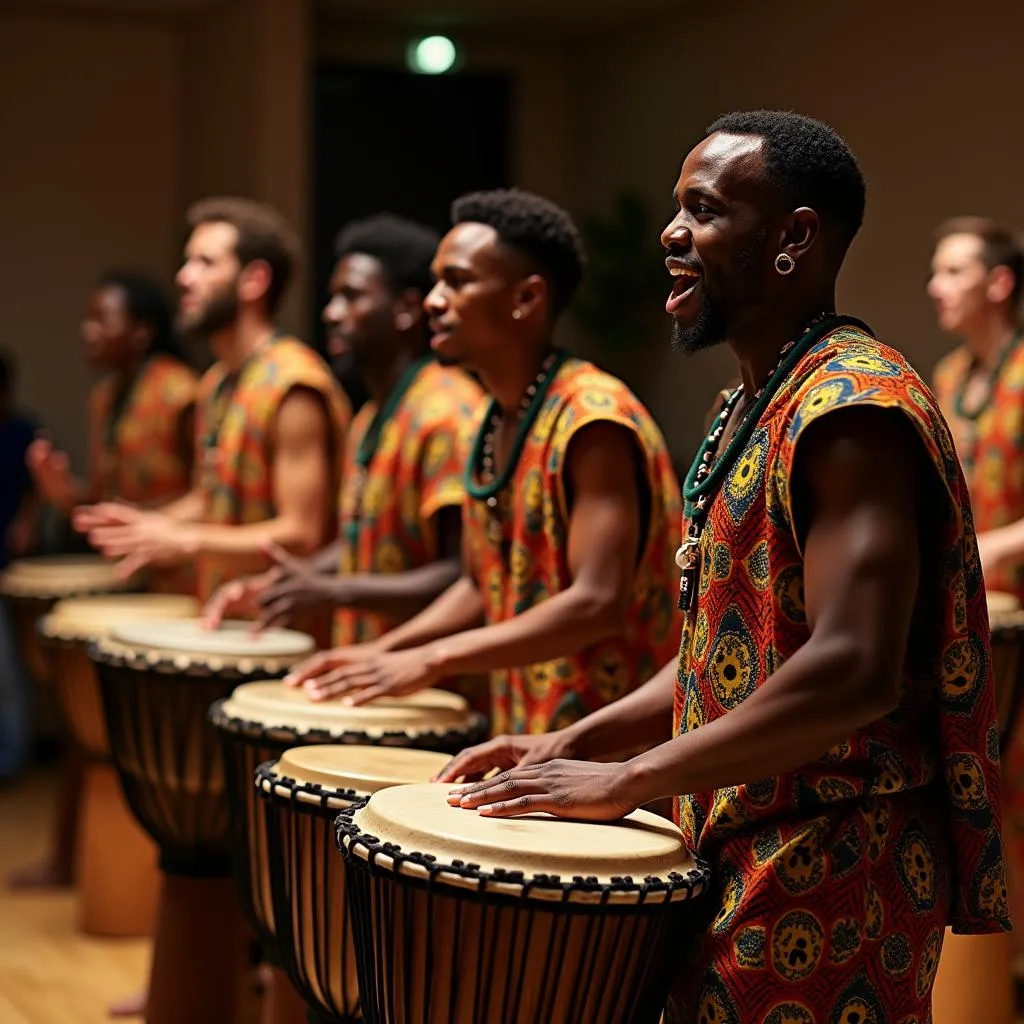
{"x":432,"y":55}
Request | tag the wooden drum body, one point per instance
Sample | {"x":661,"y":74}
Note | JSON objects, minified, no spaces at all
{"x":115,"y":867}
{"x":33,"y":585}
{"x":158,"y":680}
{"x":260,"y":721}
{"x":302,"y":794}
{"x":473,"y":920}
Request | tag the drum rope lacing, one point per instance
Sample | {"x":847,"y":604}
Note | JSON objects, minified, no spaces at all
{"x":385,"y":922}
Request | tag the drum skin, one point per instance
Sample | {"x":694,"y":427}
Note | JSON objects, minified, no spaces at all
{"x":260,"y":721}
{"x":301,"y":795}
{"x":447,"y":927}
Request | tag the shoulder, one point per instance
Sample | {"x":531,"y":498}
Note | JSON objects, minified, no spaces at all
{"x":949,"y":370}
{"x":176,"y":380}
{"x":443,"y":397}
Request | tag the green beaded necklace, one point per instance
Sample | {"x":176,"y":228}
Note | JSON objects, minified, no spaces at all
{"x":708,"y":472}
{"x":993,"y":380}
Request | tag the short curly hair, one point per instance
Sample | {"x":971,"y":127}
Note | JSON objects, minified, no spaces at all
{"x":809,"y":163}
{"x":263,"y":234}
{"x":404,"y":248}
{"x":146,"y":303}
{"x":536,"y":228}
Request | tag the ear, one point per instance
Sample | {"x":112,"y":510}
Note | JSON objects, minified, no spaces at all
{"x":408,"y":309}
{"x":999,"y":285}
{"x":800,"y":233}
{"x":254,"y":280}
{"x":530,"y":297}
{"x":141,"y":337}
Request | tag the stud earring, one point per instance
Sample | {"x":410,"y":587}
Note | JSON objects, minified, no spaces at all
{"x":517,"y":314}
{"x":785,"y":264}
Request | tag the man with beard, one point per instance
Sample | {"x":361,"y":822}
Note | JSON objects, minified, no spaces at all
{"x":270,"y":419}
{"x":401,"y":500}
{"x":571,"y":514}
{"x":976,"y":281}
{"x":836,"y":756}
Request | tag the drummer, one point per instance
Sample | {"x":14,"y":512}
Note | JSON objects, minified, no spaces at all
{"x":571,"y":516}
{"x":270,"y":419}
{"x":401,"y":500}
{"x":853,"y":585}
{"x":141,"y":413}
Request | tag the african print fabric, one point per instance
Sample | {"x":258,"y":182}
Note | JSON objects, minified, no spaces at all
{"x":535,"y":517}
{"x":991,"y":449}
{"x":835,"y":882}
{"x":234,"y":456}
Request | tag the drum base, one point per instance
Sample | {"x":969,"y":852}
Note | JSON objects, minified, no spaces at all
{"x":975,"y":972}
{"x":281,"y":1003}
{"x":116,"y":870}
{"x":199,"y":954}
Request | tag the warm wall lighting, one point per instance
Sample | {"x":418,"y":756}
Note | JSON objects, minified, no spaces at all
{"x":432,"y":55}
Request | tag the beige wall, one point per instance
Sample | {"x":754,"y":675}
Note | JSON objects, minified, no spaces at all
{"x":928,"y":103}
{"x":90,"y":122}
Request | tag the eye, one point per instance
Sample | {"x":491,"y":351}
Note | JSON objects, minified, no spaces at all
{"x":702,"y":211}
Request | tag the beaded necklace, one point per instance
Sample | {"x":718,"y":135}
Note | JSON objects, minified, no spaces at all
{"x":708,"y":470}
{"x":491,"y":484}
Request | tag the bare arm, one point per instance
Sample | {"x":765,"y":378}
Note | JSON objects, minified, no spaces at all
{"x":189,"y":508}
{"x":302,"y":481}
{"x":603,"y":540}
{"x":859,"y":472}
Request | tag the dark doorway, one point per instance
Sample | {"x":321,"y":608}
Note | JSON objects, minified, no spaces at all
{"x":409,"y":144}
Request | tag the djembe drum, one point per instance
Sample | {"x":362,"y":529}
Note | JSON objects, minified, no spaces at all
{"x":977,"y":970}
{"x":473,"y":920}
{"x":158,"y":679}
{"x":260,"y":721}
{"x":115,"y":868}
{"x":33,"y":585}
{"x":302,"y":794}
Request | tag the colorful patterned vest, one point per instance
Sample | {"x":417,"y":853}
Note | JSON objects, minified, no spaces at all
{"x":991,"y":448}
{"x":415,"y":470}
{"x":903,"y":801}
{"x":137,"y":454}
{"x":539,"y":698}
{"x":233,"y":462}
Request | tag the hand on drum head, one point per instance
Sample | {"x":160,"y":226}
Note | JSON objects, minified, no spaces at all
{"x":362,"y":673}
{"x":292,"y":583}
{"x":504,"y":752}
{"x":238,"y":599}
{"x":584,"y":790}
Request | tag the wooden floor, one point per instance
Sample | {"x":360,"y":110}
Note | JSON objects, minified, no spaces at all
{"x":49,"y":973}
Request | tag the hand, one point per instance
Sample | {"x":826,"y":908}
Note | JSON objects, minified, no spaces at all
{"x":504,"y":752}
{"x":136,"y":537}
{"x":363,"y":673}
{"x":291,"y":584}
{"x":585,"y":790}
{"x":51,"y":472}
{"x":237,"y":599}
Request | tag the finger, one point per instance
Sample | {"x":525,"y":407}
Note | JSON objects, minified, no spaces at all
{"x":487,"y":791}
{"x":278,"y":554}
{"x":309,"y":669}
{"x":278,"y":611}
{"x":477,"y":761}
{"x":527,"y":803}
{"x":275,"y":623}
{"x":341,"y":681}
{"x":216,"y":607}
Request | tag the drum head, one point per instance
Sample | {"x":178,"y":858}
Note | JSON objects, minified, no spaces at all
{"x":364,"y":770}
{"x":419,"y":819}
{"x":85,"y":618}
{"x":273,"y":704}
{"x":57,"y":575}
{"x":233,"y":639}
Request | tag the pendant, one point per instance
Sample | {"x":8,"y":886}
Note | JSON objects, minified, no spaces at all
{"x":686,"y":560}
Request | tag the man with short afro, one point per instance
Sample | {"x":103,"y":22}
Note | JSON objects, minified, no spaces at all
{"x":571,"y":519}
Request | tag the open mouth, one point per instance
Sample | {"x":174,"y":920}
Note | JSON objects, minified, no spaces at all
{"x":439,"y":332}
{"x":685,"y":280}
